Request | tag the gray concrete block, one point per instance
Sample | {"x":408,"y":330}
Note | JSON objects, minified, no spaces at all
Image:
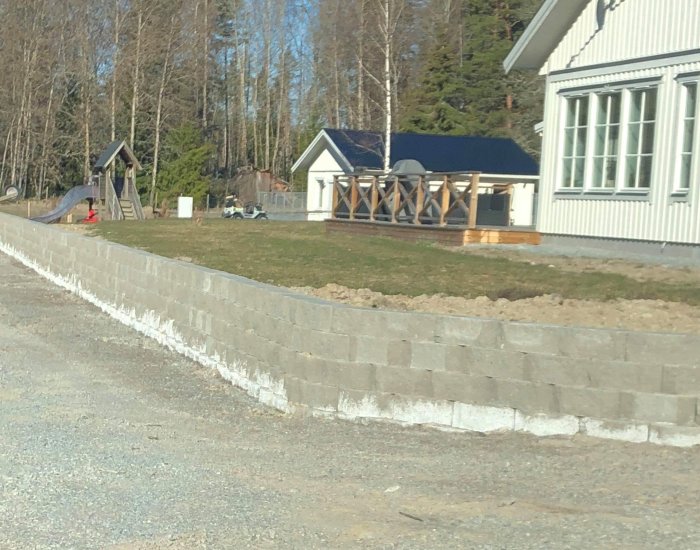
{"x":419,"y":411}
{"x":354,"y":404}
{"x":663,"y":349}
{"x":677,"y":436}
{"x":314,"y":370}
{"x":428,"y":356}
{"x":366,"y":349}
{"x":546,"y":425}
{"x":335,"y":347}
{"x":478,"y":418}
{"x":527,"y":397}
{"x":654,"y":407}
{"x":679,"y":379}
{"x":269,"y":351}
{"x":607,"y":345}
{"x":468,"y":331}
{"x":352,"y":376}
{"x":315,"y":396}
{"x":593,"y":373}
{"x":177,"y":311}
{"x":452,"y":386}
{"x":486,"y":362}
{"x":618,"y":430}
{"x":413,"y":326}
{"x":530,"y":338}
{"x":594,"y":403}
{"x":404,"y":381}
{"x":399,"y":353}
{"x":312,"y":314}
{"x":360,"y":322}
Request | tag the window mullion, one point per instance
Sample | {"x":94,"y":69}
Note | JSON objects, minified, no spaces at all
{"x":624,"y":138}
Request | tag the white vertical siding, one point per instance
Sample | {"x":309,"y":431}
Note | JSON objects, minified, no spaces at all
{"x":632,"y":30}
{"x":658,"y":216}
{"x":319,"y":202}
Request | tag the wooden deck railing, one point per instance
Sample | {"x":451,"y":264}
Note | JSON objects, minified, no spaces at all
{"x":442,"y":199}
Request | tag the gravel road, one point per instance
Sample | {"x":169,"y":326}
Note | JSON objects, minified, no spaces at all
{"x":109,"y":441}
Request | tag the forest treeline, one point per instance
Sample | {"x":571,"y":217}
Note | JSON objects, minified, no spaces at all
{"x":201,"y":88}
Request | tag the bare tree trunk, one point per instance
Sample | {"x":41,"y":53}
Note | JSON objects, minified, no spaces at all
{"x":159,"y":110}
{"x":361,"y":70}
{"x":135,"y":85}
{"x":241,"y":53}
{"x":268,"y":91}
{"x":115,"y":61}
{"x":44,"y":142}
{"x":255,"y":122}
{"x":4,"y":153}
{"x":387,"y":85}
{"x":205,"y":60}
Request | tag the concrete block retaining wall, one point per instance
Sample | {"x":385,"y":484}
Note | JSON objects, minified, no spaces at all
{"x":294,"y":352}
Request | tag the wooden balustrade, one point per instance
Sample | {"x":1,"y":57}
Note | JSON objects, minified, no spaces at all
{"x":412,"y":199}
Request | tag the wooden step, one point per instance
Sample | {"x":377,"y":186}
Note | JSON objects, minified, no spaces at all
{"x":127,"y":209}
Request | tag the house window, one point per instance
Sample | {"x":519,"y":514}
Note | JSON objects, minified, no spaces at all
{"x":608,"y":140}
{"x":575,"y":136}
{"x":689,"y":110}
{"x":640,"y":139}
{"x":321,"y":185}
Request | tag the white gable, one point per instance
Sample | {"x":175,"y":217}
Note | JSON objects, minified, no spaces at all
{"x":325,"y":162}
{"x":627,"y":30}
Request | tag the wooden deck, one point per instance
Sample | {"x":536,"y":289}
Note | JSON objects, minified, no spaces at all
{"x":450,"y":235}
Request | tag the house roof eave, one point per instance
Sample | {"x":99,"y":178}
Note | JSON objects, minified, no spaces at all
{"x":321,"y":140}
{"x":543,"y":34}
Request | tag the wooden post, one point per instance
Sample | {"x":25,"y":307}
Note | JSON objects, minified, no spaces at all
{"x":396,"y":206}
{"x":473,"y":200}
{"x":510,"y":201}
{"x":420,"y":199}
{"x":374,"y":199}
{"x":334,"y":206}
{"x":353,"y":196}
{"x":444,"y":200}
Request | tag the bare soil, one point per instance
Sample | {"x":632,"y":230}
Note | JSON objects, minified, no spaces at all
{"x":643,"y":315}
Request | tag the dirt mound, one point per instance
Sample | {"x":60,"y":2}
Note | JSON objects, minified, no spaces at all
{"x":644,"y":315}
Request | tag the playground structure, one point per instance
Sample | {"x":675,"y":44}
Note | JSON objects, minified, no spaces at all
{"x":115,"y":194}
{"x":452,"y":208}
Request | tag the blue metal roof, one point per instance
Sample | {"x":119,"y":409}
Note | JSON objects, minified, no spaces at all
{"x":436,"y":153}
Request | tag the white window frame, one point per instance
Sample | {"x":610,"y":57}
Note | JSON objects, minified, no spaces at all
{"x":574,"y":157}
{"x":625,"y":90}
{"x":679,"y":152}
{"x":606,"y":154}
{"x":638,"y":154}
{"x":321,"y":185}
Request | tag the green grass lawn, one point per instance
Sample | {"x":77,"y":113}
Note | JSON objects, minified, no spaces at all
{"x":301,"y":254}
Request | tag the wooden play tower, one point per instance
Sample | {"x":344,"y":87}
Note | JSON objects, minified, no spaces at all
{"x":119,"y":199}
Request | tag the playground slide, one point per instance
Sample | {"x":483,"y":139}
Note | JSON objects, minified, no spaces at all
{"x":69,"y":201}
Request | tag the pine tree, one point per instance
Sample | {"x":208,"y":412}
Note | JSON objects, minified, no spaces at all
{"x":185,"y":157}
{"x":437,"y":104}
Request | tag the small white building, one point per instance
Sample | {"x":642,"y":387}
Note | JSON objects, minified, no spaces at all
{"x":620,"y":162}
{"x":341,"y":152}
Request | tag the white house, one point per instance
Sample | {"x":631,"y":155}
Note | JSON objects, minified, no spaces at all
{"x":620,"y":162}
{"x":339,"y":152}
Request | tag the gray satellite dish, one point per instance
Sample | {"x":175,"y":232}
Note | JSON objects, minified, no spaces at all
{"x":408,"y":167}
